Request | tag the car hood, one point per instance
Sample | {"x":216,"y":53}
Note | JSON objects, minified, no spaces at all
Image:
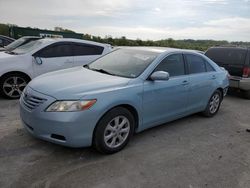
{"x":75,"y":83}
{"x":5,"y":56}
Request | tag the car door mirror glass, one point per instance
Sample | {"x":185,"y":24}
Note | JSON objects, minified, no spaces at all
{"x":38,"y":60}
{"x":160,"y":75}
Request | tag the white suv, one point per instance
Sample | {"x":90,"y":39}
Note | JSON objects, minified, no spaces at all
{"x":28,"y":61}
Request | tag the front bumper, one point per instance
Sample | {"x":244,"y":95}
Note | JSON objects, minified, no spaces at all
{"x":240,"y":83}
{"x":73,"y":129}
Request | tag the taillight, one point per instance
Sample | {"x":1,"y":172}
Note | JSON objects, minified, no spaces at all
{"x":246,"y":72}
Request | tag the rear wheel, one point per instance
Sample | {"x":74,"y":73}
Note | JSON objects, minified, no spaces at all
{"x":12,"y":85}
{"x":213,"y":104}
{"x":114,"y":130}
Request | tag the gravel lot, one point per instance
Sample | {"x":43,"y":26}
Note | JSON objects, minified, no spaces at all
{"x":191,"y":152}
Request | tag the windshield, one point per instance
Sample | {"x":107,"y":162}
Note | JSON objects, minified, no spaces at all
{"x":15,"y":44}
{"x":27,"y":47}
{"x":128,"y":63}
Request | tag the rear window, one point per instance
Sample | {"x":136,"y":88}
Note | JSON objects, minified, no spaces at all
{"x":223,"y":56}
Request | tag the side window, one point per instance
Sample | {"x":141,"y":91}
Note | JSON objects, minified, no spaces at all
{"x":81,"y":50}
{"x":59,"y":50}
{"x":196,"y":64}
{"x":209,"y":67}
{"x":236,"y":56}
{"x":1,"y":43}
{"x":172,"y":64}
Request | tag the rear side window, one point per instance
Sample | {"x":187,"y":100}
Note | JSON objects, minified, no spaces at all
{"x":209,"y":67}
{"x":223,"y":56}
{"x":173,"y":64}
{"x":81,"y":50}
{"x":196,"y":64}
{"x":58,"y":50}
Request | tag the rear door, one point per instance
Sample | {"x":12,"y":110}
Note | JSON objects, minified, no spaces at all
{"x":86,"y":53}
{"x":232,"y":59}
{"x":202,"y":78}
{"x":54,"y":57}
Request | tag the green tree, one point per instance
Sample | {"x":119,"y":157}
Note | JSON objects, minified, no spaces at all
{"x":4,"y":29}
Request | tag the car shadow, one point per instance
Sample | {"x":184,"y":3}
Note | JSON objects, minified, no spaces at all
{"x":236,"y":94}
{"x":21,"y":142}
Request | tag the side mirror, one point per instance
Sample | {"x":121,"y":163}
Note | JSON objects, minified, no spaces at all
{"x":38,"y":60}
{"x":159,"y":75}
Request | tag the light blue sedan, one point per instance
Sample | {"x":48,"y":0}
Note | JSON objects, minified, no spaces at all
{"x":126,"y":91}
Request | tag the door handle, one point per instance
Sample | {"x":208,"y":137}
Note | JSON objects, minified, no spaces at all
{"x":185,"y":82}
{"x":213,"y":77}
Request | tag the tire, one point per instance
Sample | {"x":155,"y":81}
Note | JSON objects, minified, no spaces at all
{"x":12,"y":85}
{"x":213,"y":105}
{"x":108,"y":135}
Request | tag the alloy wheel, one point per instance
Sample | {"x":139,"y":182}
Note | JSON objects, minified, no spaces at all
{"x":13,"y":86}
{"x":116,"y":132}
{"x":214,"y":103}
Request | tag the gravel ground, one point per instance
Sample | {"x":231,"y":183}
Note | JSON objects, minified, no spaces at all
{"x":192,"y":152}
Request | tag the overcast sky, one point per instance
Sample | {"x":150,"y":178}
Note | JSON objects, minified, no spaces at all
{"x":148,"y":19}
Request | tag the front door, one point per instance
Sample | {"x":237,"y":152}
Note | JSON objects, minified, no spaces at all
{"x":166,"y":100}
{"x":55,"y":57}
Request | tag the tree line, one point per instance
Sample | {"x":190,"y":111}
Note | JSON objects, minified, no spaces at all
{"x":123,"y":41}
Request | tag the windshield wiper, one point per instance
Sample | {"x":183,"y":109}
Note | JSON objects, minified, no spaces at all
{"x":103,"y":71}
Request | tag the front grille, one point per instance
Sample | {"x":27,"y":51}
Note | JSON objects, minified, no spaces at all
{"x":31,"y":102}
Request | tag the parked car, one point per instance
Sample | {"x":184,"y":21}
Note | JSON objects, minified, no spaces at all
{"x":19,"y":42}
{"x":4,"y":41}
{"x":37,"y":57}
{"x":236,"y":61}
{"x":126,"y":91}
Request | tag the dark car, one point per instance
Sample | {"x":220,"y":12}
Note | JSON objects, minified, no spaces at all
{"x":4,"y":41}
{"x":236,"y":60}
{"x":19,"y":42}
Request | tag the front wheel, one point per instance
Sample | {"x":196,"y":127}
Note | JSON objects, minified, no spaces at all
{"x":114,"y":130}
{"x":12,"y":85}
{"x":213,"y":104}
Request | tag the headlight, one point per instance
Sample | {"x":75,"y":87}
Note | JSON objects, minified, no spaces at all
{"x":70,"y":106}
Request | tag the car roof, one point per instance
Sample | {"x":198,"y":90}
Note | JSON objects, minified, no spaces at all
{"x":160,"y":49}
{"x":52,"y":40}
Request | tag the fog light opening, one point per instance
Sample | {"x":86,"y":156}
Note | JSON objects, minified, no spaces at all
{"x":58,"y":137}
